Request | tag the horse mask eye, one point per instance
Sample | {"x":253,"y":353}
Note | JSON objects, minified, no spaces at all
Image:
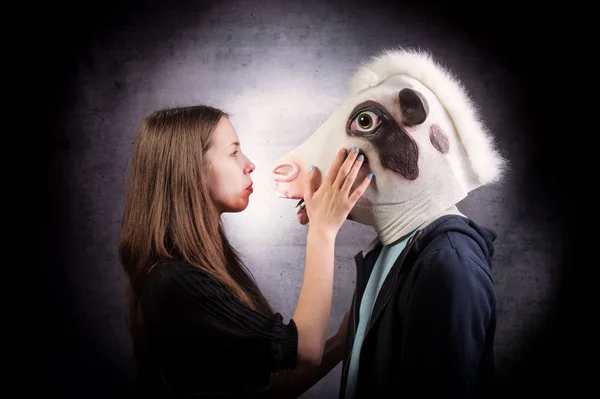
{"x":365,"y":122}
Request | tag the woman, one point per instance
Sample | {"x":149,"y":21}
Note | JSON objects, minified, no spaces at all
{"x":200,"y":325}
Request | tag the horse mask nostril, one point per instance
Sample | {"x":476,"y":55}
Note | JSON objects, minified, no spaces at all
{"x":286,"y":172}
{"x":283,"y":170}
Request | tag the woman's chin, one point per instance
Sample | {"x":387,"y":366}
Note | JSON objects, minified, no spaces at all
{"x":242,"y":206}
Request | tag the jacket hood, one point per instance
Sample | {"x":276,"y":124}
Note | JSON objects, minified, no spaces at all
{"x":483,"y":236}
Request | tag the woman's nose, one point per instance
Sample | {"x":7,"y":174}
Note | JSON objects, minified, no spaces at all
{"x":250,"y":168}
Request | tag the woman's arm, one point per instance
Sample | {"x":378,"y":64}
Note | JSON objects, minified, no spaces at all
{"x":314,"y":303}
{"x":327,"y":208}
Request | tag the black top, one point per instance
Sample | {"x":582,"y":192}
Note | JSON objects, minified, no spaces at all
{"x":201,"y":339}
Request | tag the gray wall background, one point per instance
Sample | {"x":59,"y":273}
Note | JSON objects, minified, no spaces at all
{"x":280,"y":69}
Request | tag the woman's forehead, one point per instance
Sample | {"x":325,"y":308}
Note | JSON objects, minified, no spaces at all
{"x":225,"y":134}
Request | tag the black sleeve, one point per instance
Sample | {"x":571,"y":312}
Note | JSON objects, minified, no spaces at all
{"x":450,"y":307}
{"x":185,"y":300}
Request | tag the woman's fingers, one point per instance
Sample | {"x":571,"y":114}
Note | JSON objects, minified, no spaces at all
{"x":345,"y":167}
{"x":360,"y":190}
{"x":335,"y":166}
{"x":351,"y":177}
{"x":311,"y":183}
{"x":341,"y":176}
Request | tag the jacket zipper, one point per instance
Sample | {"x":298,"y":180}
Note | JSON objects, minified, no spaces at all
{"x":345,"y":368}
{"x":406,"y":251}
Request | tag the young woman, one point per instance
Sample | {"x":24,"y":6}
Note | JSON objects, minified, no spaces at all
{"x":199,"y":323}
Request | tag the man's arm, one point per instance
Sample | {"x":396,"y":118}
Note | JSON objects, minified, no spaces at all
{"x":445,"y":332}
{"x":288,"y":384}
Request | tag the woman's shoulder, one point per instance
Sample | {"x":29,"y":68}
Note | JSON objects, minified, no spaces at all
{"x":172,"y":274}
{"x":170,"y":267}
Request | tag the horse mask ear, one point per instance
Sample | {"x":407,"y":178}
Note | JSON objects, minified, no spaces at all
{"x":414,"y":107}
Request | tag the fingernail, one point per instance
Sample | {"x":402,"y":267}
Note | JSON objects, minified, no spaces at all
{"x":310,"y":168}
{"x":361,"y":157}
{"x":355,"y":150}
{"x":371,"y":175}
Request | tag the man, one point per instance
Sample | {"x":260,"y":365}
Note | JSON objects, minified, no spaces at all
{"x":423,"y":314}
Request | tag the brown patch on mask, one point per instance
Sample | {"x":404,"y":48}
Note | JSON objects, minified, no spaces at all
{"x":414,"y":107}
{"x":397,"y":150}
{"x":439,"y":139}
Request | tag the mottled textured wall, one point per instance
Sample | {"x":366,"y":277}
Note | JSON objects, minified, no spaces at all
{"x":280,"y":69}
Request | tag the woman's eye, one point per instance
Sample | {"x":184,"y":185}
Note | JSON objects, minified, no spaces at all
{"x":234,"y":153}
{"x":365,"y":122}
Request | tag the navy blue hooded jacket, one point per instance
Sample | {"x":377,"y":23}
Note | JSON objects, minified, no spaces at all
{"x":433,"y":323}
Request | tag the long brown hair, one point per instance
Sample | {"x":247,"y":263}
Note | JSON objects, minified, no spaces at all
{"x":168,"y":211}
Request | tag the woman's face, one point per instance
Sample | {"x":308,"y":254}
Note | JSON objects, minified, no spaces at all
{"x":229,"y":172}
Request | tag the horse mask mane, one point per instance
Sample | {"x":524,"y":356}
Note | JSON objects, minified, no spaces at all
{"x":421,"y":137}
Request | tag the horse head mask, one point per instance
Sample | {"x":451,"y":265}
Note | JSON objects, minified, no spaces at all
{"x":420,"y":135}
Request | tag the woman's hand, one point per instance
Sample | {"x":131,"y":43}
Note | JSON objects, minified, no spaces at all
{"x":328,"y":206}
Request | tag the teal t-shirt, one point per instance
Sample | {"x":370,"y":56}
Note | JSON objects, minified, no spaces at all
{"x":384,"y":263}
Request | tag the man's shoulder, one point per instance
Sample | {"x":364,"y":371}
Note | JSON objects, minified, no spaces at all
{"x":456,"y":242}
